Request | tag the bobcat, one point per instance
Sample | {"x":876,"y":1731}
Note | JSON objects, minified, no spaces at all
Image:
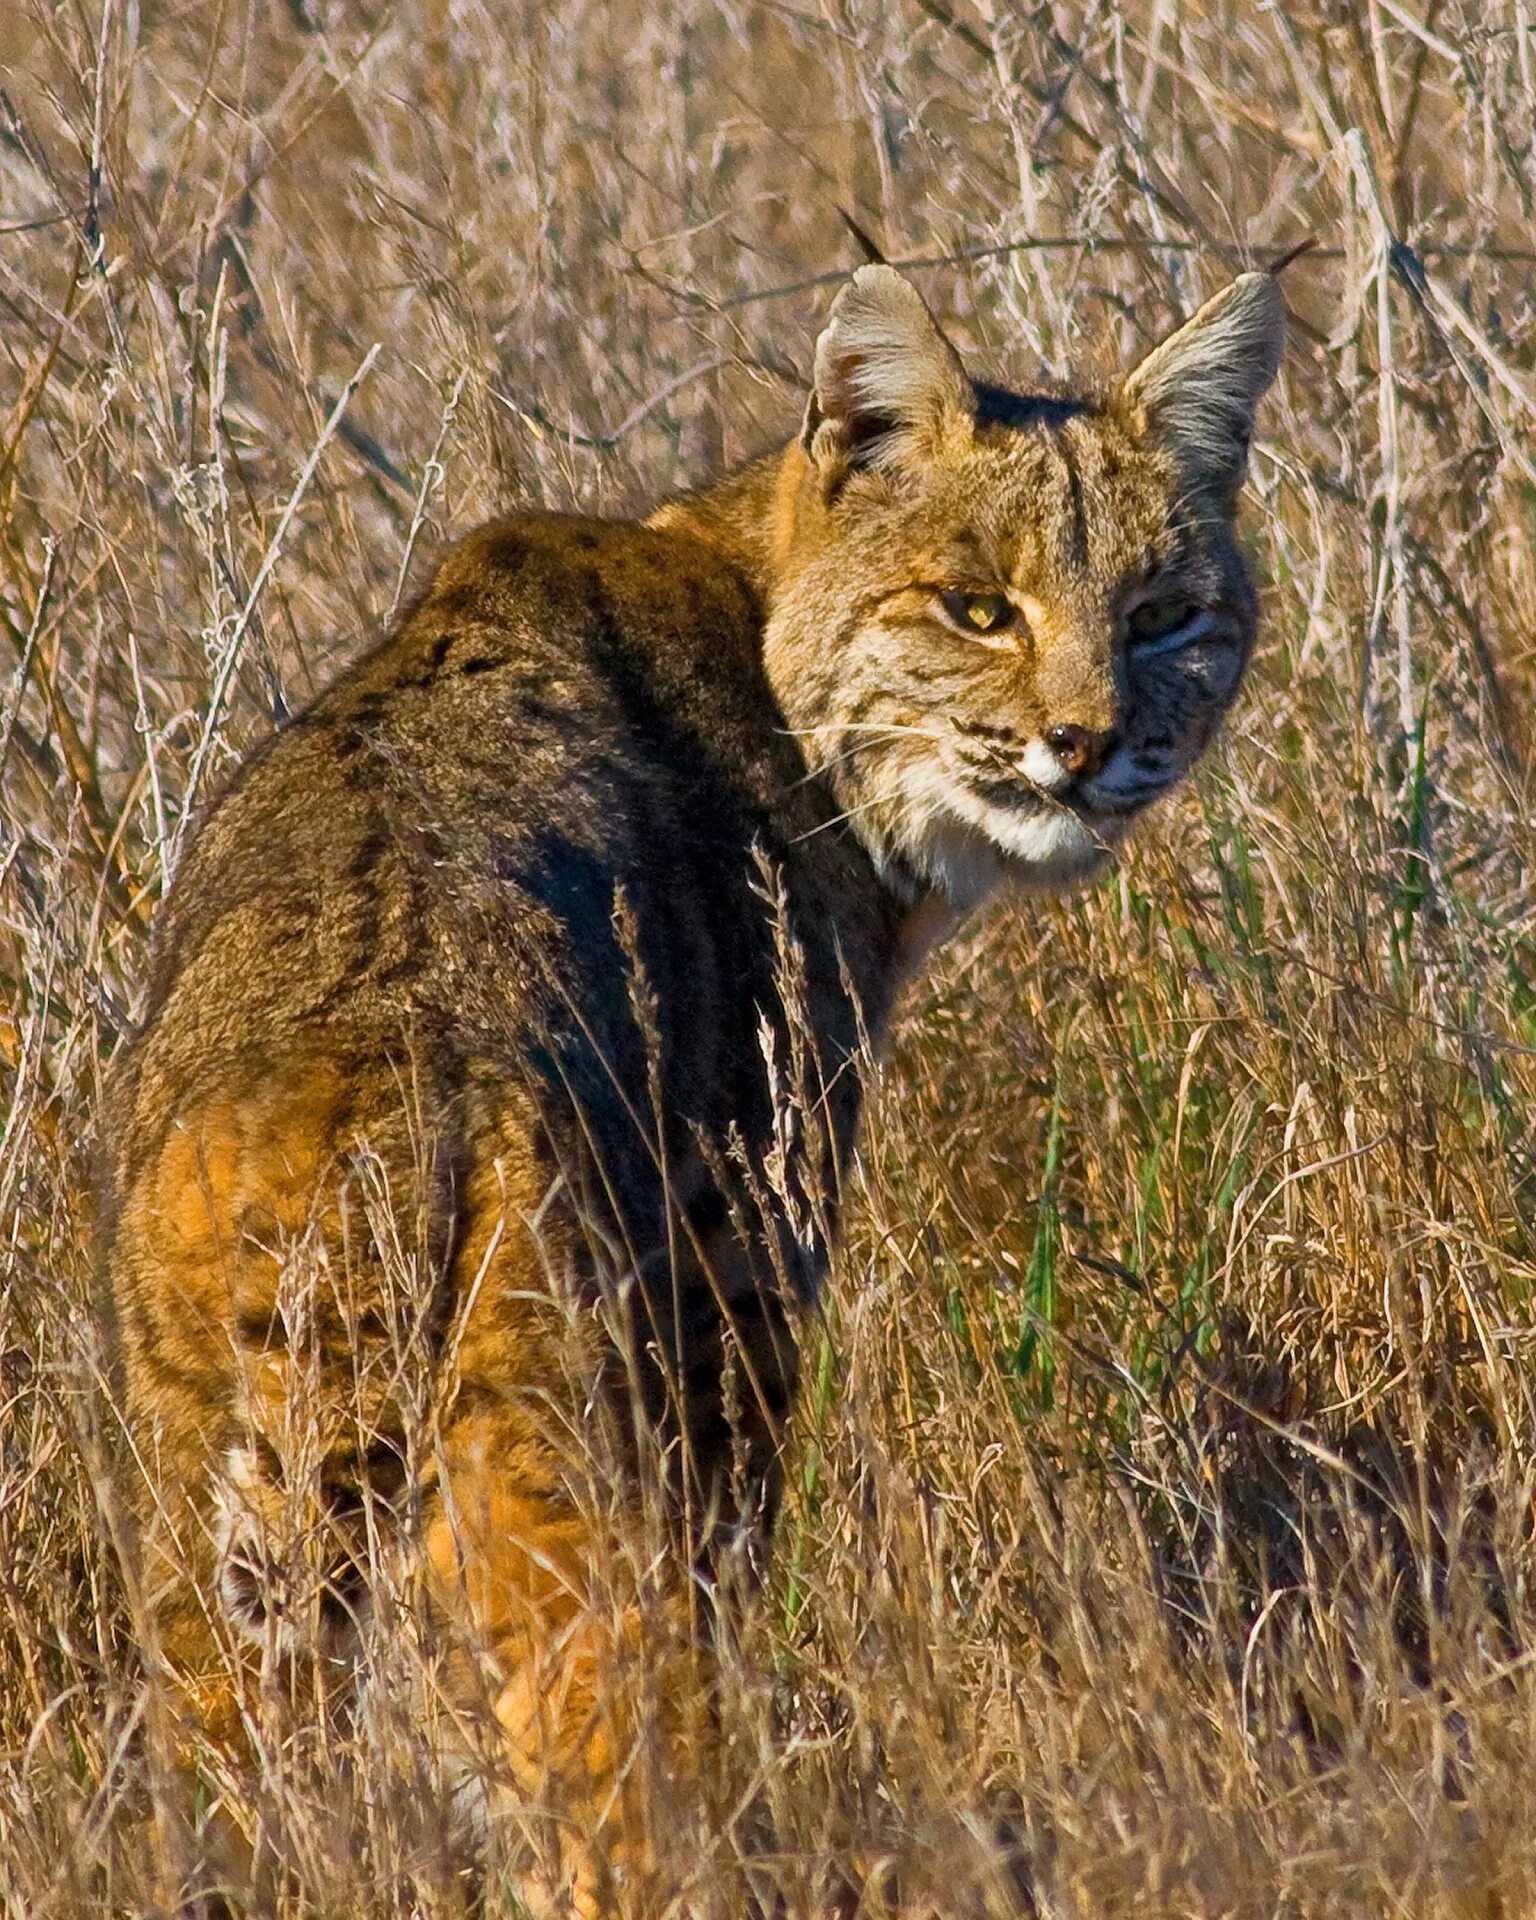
{"x":537,"y":924}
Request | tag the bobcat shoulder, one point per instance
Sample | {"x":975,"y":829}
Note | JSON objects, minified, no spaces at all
{"x":479,"y":998}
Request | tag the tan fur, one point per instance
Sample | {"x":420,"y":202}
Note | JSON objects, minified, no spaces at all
{"x":403,"y":1120}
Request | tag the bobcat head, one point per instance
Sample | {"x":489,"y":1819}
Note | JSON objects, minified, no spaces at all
{"x":1004,"y":625}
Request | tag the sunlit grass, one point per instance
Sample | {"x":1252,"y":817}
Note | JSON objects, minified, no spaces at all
{"x":1157,"y":1537}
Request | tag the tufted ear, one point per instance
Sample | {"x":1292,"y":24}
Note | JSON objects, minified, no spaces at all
{"x":888,"y":384}
{"x":1198,"y":392}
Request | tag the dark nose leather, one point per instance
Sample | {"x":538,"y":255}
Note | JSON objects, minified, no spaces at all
{"x":1079,"y":749}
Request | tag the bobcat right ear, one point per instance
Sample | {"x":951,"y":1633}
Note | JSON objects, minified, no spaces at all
{"x":888,"y":384}
{"x":1199,"y":390}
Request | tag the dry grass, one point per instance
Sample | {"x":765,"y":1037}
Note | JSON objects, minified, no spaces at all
{"x":1160,"y":1537}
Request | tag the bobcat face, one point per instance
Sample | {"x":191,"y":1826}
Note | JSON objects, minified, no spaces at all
{"x":1005,"y":626}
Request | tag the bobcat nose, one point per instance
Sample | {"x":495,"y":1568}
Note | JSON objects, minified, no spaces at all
{"x":1080,"y":749}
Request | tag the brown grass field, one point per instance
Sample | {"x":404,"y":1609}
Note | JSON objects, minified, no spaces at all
{"x":1160,"y":1538}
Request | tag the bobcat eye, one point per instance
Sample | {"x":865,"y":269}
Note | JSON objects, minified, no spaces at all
{"x":1158,"y":620}
{"x":979,"y":612}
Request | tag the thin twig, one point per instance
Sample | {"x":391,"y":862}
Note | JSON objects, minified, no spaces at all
{"x":1093,"y":243}
{"x":431,"y":477}
{"x":230,"y":658}
{"x":608,"y":442}
{"x":24,"y":665}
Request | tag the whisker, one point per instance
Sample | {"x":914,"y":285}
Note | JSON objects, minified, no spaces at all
{"x":887,"y":729}
{"x":837,"y":819}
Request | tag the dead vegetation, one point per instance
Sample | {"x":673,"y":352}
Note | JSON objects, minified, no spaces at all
{"x":1160,"y":1531}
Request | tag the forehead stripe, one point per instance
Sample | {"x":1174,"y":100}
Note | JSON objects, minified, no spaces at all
{"x":1077,"y":543}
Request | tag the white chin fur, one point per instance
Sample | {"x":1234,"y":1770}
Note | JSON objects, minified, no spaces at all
{"x":966,"y":846}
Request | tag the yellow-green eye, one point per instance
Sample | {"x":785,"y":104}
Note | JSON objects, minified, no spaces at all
{"x":979,"y":612}
{"x":1156,"y":619}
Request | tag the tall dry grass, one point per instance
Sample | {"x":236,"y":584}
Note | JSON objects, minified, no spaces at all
{"x":1160,"y":1529}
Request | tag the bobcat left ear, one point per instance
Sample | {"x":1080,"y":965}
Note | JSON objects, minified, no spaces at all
{"x":1198,"y":392}
{"x":888,"y":383}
